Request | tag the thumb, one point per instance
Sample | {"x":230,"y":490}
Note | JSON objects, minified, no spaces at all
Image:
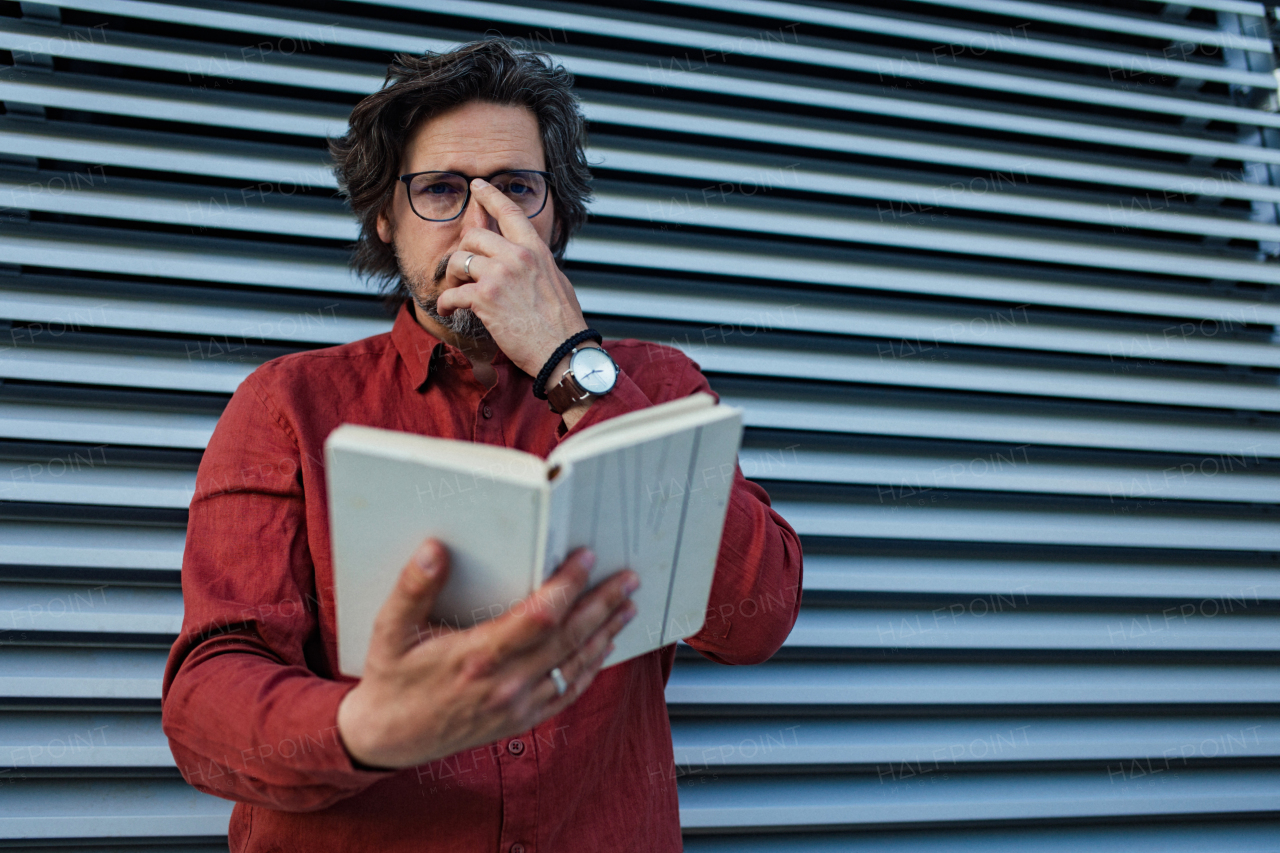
{"x":399,"y":623}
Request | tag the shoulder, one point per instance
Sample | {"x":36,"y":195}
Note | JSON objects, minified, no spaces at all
{"x":286,"y":387}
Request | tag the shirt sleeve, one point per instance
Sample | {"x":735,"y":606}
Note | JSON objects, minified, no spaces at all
{"x":756,"y":590}
{"x":245,"y":716}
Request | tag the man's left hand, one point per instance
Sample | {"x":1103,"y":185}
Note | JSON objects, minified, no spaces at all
{"x":515,"y":287}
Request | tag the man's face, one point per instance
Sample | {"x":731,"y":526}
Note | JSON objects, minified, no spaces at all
{"x":476,"y":139}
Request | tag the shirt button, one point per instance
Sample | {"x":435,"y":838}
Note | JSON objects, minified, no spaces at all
{"x":517,"y":848}
{"x":516,"y":747}
{"x":488,"y":413}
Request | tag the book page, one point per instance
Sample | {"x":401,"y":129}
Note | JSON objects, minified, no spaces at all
{"x":383,"y":504}
{"x":707,"y":488}
{"x":625,"y":510}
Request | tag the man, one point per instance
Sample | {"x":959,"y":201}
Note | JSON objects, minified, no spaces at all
{"x":468,"y":176}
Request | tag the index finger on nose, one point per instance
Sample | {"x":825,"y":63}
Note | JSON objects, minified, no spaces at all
{"x":512,"y":221}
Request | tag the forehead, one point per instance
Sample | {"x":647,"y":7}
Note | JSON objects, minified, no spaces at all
{"x":477,"y":138}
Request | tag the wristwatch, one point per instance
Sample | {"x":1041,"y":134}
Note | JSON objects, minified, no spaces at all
{"x":592,"y":373}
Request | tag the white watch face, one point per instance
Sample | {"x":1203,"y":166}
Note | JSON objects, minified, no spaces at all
{"x":594,"y":370}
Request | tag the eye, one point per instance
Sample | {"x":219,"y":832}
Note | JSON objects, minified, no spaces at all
{"x":436,"y":188}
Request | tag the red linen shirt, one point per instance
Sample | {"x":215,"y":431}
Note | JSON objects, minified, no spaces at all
{"x":252,"y":687}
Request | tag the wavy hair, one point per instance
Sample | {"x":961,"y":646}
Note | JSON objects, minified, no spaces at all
{"x":366,"y":159}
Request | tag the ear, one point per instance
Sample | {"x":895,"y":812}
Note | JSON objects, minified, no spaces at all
{"x":386,"y":229}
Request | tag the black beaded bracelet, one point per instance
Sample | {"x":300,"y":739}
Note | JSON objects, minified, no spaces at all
{"x":539,"y":384}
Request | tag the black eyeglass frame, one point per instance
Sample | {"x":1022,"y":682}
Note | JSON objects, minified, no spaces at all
{"x":408,"y":179}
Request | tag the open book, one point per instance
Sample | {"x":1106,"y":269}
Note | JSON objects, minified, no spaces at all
{"x":647,"y":490}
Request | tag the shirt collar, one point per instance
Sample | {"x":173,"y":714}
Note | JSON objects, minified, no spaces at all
{"x":423,"y":353}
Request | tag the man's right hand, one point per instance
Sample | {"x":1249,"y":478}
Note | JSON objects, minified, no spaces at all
{"x":423,"y":700}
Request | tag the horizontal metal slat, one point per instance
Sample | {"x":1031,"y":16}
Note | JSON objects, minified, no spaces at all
{"x":110,"y":808}
{"x":169,"y":152}
{"x":90,"y":609}
{"x":317,"y":321}
{"x":1011,"y":470}
{"x":102,"y":546}
{"x":1002,"y":624}
{"x":1239,"y":835}
{"x":187,"y":257}
{"x":82,"y":674}
{"x":1076,"y":16}
{"x":898,"y":747}
{"x":34,"y":422}
{"x":742,"y":802}
{"x":696,"y":684}
{"x":43,"y":364}
{"x":149,"y":100}
{"x":935,"y":517}
{"x":85,"y":478}
{"x":979,"y":582}
{"x":970,"y":420}
{"x":182,"y":56}
{"x":59,"y":739}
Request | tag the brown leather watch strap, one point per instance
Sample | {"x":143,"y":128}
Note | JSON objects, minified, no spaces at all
{"x":566,"y":394}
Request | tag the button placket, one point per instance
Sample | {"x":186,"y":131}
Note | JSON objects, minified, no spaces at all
{"x":519,"y":765}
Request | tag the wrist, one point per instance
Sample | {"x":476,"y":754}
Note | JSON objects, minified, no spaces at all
{"x":354,"y":732}
{"x":556,"y":359}
{"x":562,"y":366}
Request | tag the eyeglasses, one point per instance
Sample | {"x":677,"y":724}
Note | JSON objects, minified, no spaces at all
{"x":442,"y":196}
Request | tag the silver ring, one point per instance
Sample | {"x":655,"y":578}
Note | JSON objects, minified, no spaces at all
{"x":558,"y":677}
{"x":466,"y":267}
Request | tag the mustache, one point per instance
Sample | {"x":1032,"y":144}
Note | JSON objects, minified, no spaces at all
{"x":441,"y":269}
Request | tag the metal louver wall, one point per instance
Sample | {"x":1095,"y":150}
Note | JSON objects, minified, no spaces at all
{"x":994,"y":281}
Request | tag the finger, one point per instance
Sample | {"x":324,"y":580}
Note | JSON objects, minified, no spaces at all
{"x":462,"y":295}
{"x":484,"y":242}
{"x":596,"y":647}
{"x":512,"y":221}
{"x":533,"y":620}
{"x":457,"y":266}
{"x":590,"y":614}
{"x":578,"y":683}
{"x":399,"y":621}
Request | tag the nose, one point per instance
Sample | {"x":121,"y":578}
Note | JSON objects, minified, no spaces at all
{"x":475,"y":216}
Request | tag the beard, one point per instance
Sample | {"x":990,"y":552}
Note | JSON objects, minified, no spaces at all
{"x":425,"y":292}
